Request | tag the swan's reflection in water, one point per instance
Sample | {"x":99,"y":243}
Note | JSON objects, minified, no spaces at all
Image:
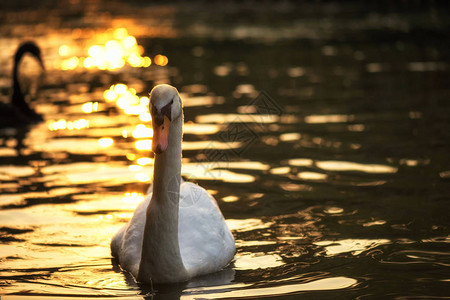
{"x":222,"y":285}
{"x":216,"y":282}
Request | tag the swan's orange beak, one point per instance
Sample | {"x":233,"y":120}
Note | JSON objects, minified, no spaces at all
{"x":161,"y":136}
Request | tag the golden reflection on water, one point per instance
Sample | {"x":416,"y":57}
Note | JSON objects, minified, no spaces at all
{"x":143,"y":177}
{"x":325,"y":284}
{"x":105,"y":142}
{"x":231,"y":118}
{"x":128,"y":101}
{"x":247,"y":224}
{"x":89,"y":107}
{"x":143,"y":161}
{"x":143,"y":145}
{"x":141,"y":131}
{"x":161,"y":60}
{"x":118,"y":50}
{"x":280,"y":170}
{"x":338,"y":166}
{"x":313,"y":176}
{"x":253,"y":261}
{"x":230,"y":198}
{"x":196,"y":171}
{"x":133,"y":197}
{"x":193,"y":128}
{"x":352,"y":166}
{"x":287,"y":137}
{"x":70,"y":125}
{"x":354,"y":246}
{"x":300,"y":162}
{"x":322,"y":119}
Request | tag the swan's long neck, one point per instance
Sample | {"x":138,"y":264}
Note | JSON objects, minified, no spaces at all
{"x":17,"y":95}
{"x":18,"y":98}
{"x":161,"y":256}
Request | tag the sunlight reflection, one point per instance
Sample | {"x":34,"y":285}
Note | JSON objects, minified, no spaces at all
{"x":143,"y":145}
{"x":15,"y":171}
{"x":70,"y":64}
{"x":126,"y":99}
{"x":142,"y":131}
{"x":334,"y":210}
{"x":220,"y":171}
{"x":241,"y":243}
{"x":224,"y":175}
{"x":444,"y":174}
{"x":230,"y":198}
{"x":244,"y":165}
{"x":133,"y":198}
{"x":161,"y":60}
{"x":355,"y":246}
{"x":105,"y":142}
{"x":202,"y":145}
{"x":352,"y":166}
{"x":143,"y":177}
{"x":134,"y":168}
{"x":7,"y":152}
{"x":322,"y":119}
{"x":280,"y":170}
{"x":70,"y":125}
{"x":257,"y":260}
{"x":293,"y":187}
{"x":324,"y":284}
{"x":288,"y":137}
{"x":89,"y":107}
{"x":300,"y":162}
{"x":145,"y":117}
{"x":114,"y":54}
{"x":200,"y":129}
{"x":191,"y":101}
{"x":247,"y":224}
{"x":63,"y":50}
{"x":374,"y":223}
{"x":74,"y":145}
{"x":143,"y":161}
{"x":237,"y":118}
{"x":311,"y":176}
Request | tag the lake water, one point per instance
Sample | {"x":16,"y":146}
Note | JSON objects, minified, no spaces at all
{"x":322,"y":131}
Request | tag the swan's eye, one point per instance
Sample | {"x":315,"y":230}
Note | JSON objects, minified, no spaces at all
{"x":171,"y":102}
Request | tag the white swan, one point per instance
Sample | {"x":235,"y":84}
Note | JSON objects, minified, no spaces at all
{"x":178,"y":232}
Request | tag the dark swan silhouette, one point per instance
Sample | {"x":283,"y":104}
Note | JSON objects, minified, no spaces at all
{"x":18,"y":112}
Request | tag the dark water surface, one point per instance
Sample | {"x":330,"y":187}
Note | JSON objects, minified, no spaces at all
{"x":334,"y":181}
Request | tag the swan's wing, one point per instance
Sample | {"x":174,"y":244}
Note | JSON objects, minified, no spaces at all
{"x":206,"y":243}
{"x":126,"y":245}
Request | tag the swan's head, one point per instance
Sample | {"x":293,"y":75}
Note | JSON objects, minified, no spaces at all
{"x":165,"y":107}
{"x":29,"y":47}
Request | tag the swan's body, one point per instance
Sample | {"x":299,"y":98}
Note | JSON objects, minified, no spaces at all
{"x":18,"y":112}
{"x":201,"y":250}
{"x":178,"y":232}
